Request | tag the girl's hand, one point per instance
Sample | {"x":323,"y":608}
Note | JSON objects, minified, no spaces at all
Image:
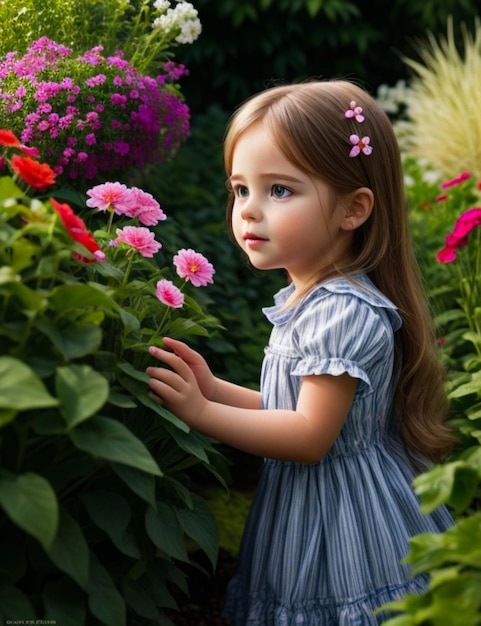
{"x":186,"y":387}
{"x":204,"y":377}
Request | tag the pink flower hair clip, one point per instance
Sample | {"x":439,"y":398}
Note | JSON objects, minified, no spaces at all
{"x":359,"y":145}
{"x":355,"y":112}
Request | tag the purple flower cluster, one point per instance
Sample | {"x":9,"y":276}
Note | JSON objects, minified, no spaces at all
{"x":90,"y":114}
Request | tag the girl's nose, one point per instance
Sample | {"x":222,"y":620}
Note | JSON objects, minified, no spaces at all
{"x":250,"y":210}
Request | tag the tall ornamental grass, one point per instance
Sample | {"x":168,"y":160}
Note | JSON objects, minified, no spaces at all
{"x":443,"y":123}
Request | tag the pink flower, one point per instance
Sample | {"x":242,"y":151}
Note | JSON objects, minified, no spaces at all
{"x":455,"y":181}
{"x":194,"y":266}
{"x":140,"y":238}
{"x":359,"y":145}
{"x":446,"y":255}
{"x":114,"y":197}
{"x":144,"y":207}
{"x":355,"y":112}
{"x":459,"y":236}
{"x":169,"y":294}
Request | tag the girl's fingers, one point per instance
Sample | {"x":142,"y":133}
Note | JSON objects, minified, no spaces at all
{"x":170,"y":359}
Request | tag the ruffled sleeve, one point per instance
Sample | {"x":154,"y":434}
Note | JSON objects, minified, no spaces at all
{"x":338,"y":333}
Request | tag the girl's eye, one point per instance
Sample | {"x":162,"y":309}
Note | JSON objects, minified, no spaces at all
{"x":278,"y":191}
{"x":241,"y":191}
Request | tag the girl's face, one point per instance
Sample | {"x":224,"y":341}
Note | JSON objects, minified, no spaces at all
{"x":282,"y":217}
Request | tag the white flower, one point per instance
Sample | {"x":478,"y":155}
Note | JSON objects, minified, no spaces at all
{"x":189,"y":31}
{"x":161,"y":5}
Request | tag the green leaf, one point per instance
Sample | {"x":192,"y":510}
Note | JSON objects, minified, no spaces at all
{"x":29,"y":299}
{"x":460,"y":543}
{"x":14,"y":603}
{"x":82,"y":392}
{"x":128,"y":369}
{"x":201,"y":526}
{"x":139,"y":482}
{"x":190,"y":442}
{"x":473,"y":386}
{"x":31,"y":503}
{"x":138,"y":598}
{"x":81,"y":296}
{"x":164,"y":530}
{"x":453,"y":483}
{"x":111,"y":513}
{"x":163,"y":412}
{"x":20,"y":387}
{"x":105,"y":601}
{"x":65,"y":603}
{"x":69,"y":551}
{"x":8,"y":189}
{"x":108,"y":439}
{"x":73,"y":340}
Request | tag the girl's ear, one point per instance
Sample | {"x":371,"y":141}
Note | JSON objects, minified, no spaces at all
{"x":358,"y":207}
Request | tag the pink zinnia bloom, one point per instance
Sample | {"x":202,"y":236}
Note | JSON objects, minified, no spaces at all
{"x":459,"y":236}
{"x":145,"y":207}
{"x":110,"y":196}
{"x":455,"y":181}
{"x":446,"y":255}
{"x":193,"y":266}
{"x":169,"y":294}
{"x":140,"y":238}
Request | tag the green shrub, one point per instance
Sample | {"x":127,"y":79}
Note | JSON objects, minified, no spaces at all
{"x":96,"y":498}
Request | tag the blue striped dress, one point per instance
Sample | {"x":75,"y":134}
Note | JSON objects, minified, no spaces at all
{"x":324,"y":543}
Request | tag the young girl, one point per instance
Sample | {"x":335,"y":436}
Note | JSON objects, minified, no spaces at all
{"x":352,"y":399}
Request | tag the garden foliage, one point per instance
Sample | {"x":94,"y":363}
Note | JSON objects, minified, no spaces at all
{"x":446,"y":220}
{"x":95,"y":497}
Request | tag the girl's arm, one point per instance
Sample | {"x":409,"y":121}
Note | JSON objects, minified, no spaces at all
{"x":303,"y":435}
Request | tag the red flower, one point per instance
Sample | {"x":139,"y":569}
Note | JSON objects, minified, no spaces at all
{"x":77,"y":230}
{"x":7,"y":138}
{"x":35,"y":174}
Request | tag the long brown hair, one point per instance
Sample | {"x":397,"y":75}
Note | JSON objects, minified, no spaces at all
{"x":307,"y":121}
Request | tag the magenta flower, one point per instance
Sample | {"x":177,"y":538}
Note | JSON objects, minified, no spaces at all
{"x":169,"y":294}
{"x":114,"y":197}
{"x":359,"y":145}
{"x":140,"y":238}
{"x":193,"y":266}
{"x":459,"y":236}
{"x":144,"y":207}
{"x":455,"y":181}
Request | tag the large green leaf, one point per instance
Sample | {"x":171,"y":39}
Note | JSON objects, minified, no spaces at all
{"x":201,"y":526}
{"x":165,"y":531}
{"x":73,"y":340}
{"x":30,"y":502}
{"x":82,"y":392}
{"x":461,"y":543}
{"x":65,"y":603}
{"x":453,"y":483}
{"x":139,"y":482}
{"x":14,"y":603}
{"x":21,"y":388}
{"x":29,"y":299}
{"x":109,"y":439}
{"x":140,"y":601}
{"x":110,"y":512}
{"x":8,"y":188}
{"x":81,"y":296}
{"x":70,"y":551}
{"x":105,"y":601}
